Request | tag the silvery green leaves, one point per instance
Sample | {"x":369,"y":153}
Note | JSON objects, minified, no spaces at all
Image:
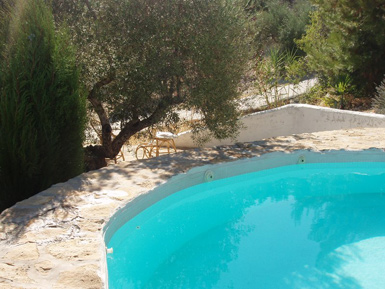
{"x":158,"y":56}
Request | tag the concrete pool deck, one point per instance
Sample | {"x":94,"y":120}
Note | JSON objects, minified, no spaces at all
{"x":55,"y":238}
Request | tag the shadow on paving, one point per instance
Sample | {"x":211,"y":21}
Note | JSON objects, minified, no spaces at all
{"x":58,"y":201}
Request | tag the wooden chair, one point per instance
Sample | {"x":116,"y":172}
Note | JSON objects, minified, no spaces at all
{"x":154,"y":148}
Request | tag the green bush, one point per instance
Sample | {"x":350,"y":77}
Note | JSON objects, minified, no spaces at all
{"x":278,"y":23}
{"x":273,"y":71}
{"x":42,"y":110}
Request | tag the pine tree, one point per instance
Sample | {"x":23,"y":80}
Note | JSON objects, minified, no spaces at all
{"x":347,"y":38}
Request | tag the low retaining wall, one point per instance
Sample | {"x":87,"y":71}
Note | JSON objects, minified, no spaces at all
{"x":292,"y":119}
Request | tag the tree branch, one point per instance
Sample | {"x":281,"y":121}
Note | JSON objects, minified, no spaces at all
{"x":110,"y":148}
{"x":137,"y":125}
{"x":100,"y":111}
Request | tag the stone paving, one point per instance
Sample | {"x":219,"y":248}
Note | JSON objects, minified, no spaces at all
{"x":54,"y":239}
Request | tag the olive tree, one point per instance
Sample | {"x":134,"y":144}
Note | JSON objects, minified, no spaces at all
{"x":143,"y":60}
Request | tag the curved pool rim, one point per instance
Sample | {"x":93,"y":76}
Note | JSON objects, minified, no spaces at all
{"x":207,"y":173}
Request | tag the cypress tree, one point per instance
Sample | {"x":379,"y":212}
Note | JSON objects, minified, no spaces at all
{"x":42,"y":110}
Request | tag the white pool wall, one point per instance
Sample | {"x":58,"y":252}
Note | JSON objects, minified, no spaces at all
{"x":291,"y":119}
{"x":199,"y":175}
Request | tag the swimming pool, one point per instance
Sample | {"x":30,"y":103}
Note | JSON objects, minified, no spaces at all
{"x":308,"y":225}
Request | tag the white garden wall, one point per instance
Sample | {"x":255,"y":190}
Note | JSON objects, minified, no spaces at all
{"x":292,"y":119}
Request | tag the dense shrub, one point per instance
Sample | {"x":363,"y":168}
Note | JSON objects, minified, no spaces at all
{"x":42,"y":111}
{"x":278,"y":23}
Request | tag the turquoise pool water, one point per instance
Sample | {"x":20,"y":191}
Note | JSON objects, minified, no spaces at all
{"x":300,"y":226}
